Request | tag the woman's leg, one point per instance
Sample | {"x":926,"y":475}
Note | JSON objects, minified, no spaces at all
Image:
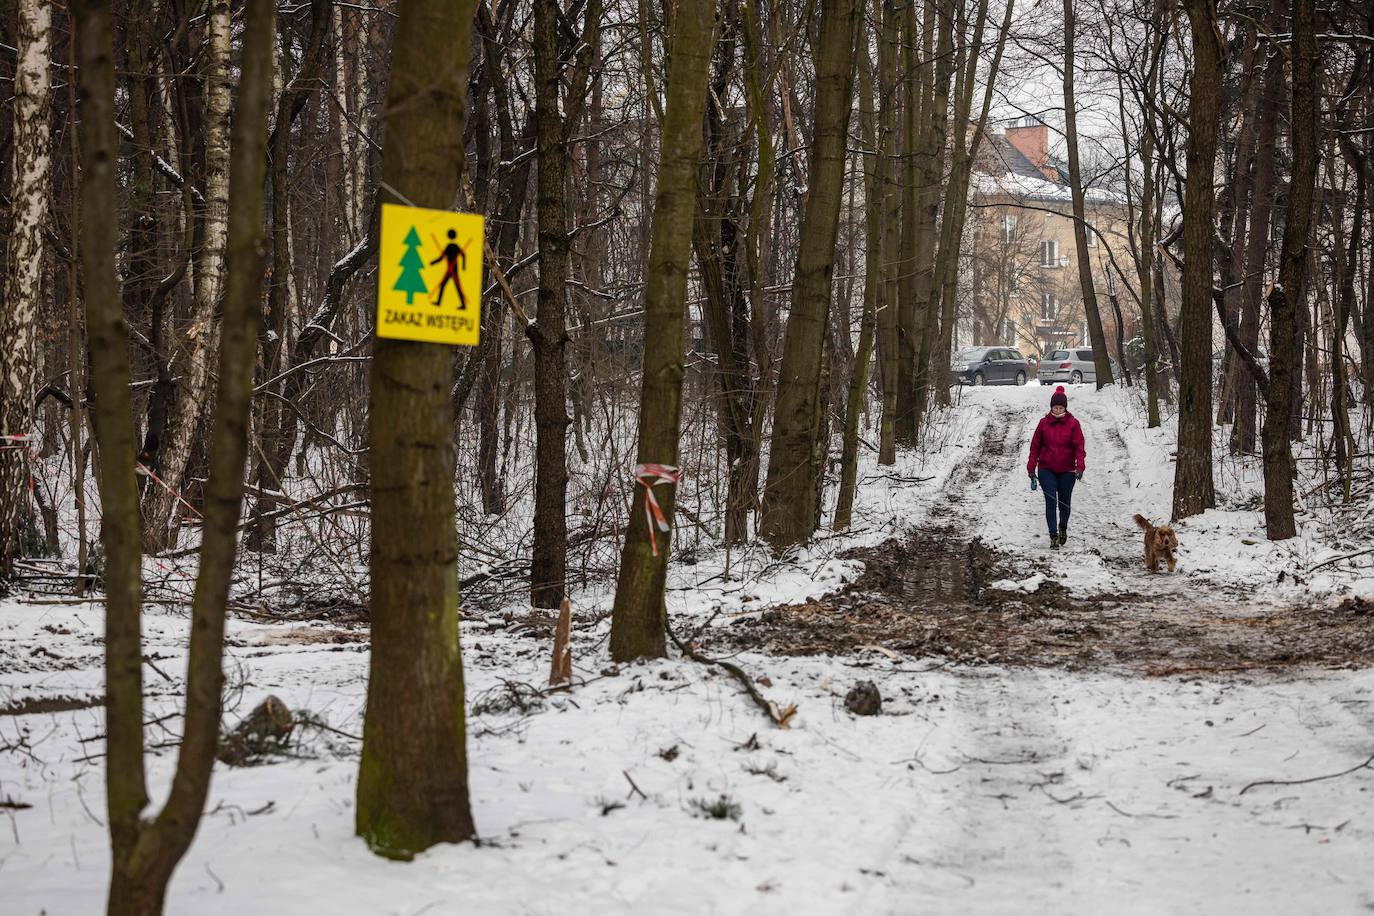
{"x":1049,"y":484}
{"x":1064,"y":490}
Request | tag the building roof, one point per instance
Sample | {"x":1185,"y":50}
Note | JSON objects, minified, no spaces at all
{"x":1001,"y":168}
{"x":1002,"y":156}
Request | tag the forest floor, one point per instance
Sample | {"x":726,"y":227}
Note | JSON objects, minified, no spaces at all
{"x":1060,"y":732}
{"x":975,"y":583}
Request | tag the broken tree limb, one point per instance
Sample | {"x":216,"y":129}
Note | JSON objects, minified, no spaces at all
{"x":1298,"y":782}
{"x":780,"y":717}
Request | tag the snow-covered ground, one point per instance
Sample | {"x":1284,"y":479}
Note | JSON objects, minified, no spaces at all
{"x":977,"y":790}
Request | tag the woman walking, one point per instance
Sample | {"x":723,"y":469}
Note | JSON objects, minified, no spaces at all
{"x":1056,"y":461}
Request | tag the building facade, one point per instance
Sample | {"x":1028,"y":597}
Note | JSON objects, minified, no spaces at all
{"x":1021,"y":275}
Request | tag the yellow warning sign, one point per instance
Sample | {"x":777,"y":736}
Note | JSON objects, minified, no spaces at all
{"x":429,"y":275}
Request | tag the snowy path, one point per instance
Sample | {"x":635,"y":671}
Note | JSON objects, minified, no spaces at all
{"x":981,"y":789}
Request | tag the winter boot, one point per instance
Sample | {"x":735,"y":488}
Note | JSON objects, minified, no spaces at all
{"x":1054,"y":542}
{"x":1063,"y":534}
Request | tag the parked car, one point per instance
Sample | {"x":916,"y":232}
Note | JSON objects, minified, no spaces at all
{"x":989,"y":366}
{"x":1073,"y":366}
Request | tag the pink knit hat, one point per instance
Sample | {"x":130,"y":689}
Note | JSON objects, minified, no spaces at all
{"x":1059,"y":397}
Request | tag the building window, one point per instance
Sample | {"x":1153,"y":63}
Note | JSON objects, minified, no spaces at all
{"x":1047,"y":306}
{"x":1091,"y":232}
{"x":1008,"y":227}
{"x":1014,"y":281}
{"x":1049,"y":253}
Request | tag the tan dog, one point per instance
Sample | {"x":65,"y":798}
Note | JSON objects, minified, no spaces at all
{"x":1160,"y":542}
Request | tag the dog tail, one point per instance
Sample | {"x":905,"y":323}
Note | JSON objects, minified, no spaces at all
{"x":1142,"y":522}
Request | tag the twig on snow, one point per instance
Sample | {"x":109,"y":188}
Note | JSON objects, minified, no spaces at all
{"x":781,"y":717}
{"x":634,"y":789}
{"x":1299,"y":782}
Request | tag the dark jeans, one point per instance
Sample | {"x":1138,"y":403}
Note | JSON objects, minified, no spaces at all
{"x":1058,"y":492}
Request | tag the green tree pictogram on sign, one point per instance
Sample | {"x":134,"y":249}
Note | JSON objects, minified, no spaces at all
{"x":411,"y":281}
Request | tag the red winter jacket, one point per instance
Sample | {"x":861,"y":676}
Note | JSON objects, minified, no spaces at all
{"x":1057,"y":445}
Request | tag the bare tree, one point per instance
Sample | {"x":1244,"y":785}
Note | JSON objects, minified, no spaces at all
{"x":639,"y":618}
{"x":1101,"y":361}
{"x":161,"y":501}
{"x":145,"y":851}
{"x":1193,"y":487}
{"x":789,"y":498}
{"x":1289,"y":295}
{"x":30,"y":186}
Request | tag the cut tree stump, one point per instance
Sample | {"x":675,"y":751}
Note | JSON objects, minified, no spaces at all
{"x":560,"y":672}
{"x":262,"y":733}
{"x":863,"y":699}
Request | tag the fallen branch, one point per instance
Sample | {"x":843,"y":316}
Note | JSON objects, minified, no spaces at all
{"x":781,"y":717}
{"x":1299,"y":782}
{"x":1349,"y":556}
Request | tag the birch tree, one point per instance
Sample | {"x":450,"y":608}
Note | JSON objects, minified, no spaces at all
{"x":31,"y":181}
{"x":202,"y":336}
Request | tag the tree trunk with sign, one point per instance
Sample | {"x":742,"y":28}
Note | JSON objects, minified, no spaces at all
{"x":639,"y":620}
{"x":412,"y":779}
{"x":19,"y":317}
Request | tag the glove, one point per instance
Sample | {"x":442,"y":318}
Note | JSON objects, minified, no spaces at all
{"x":1079,"y":475}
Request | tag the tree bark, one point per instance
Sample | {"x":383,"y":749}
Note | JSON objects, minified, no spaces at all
{"x":1257,"y":248}
{"x":890,"y":228}
{"x":1290,"y":293}
{"x":273,"y":413}
{"x":548,"y":565}
{"x":29,"y":189}
{"x":412,"y":779}
{"x":918,"y":74}
{"x":1194,"y":491}
{"x":945,"y":283}
{"x":125,"y":783}
{"x":145,"y":853}
{"x":161,"y":502}
{"x":789,"y":499}
{"x":639,"y":619}
{"x":511,"y":178}
{"x":716,"y":240}
{"x":1102,"y":362}
{"x":873,"y":255}
{"x":932,"y":149}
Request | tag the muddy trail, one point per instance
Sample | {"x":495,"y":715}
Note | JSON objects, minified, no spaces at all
{"x":935,"y":594}
{"x":941,"y":590}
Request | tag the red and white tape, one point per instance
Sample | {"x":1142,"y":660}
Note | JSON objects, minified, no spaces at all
{"x":650,"y":476}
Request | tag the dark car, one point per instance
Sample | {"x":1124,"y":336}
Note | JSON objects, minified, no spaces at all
{"x":989,"y":366}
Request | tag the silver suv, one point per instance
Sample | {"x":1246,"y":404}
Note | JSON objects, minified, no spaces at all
{"x":1072,"y":366}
